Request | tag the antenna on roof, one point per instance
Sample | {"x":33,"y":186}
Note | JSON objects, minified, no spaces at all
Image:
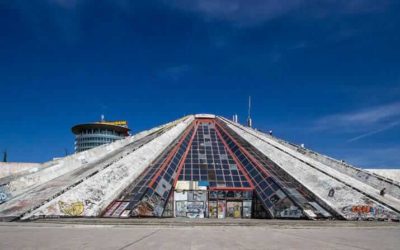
{"x":5,"y":156}
{"x":235,"y":118}
{"x":249,"y":121}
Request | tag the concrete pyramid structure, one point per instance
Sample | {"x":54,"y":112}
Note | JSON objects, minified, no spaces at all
{"x":200,"y":166}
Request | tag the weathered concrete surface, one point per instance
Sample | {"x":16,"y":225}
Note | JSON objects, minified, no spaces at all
{"x":290,"y":235}
{"x":320,"y":178}
{"x":21,"y":182}
{"x":393,"y":174}
{"x":11,"y":168}
{"x":97,"y":192}
{"x":175,"y":222}
{"x":42,"y":193}
{"x":382,"y":178}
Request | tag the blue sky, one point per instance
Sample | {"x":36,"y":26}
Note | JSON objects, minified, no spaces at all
{"x":322,"y":73}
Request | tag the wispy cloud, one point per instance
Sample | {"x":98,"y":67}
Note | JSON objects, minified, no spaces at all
{"x":239,"y":11}
{"x":175,"y":73}
{"x":391,"y":125}
{"x":50,"y":20}
{"x":58,"y":16}
{"x":68,"y":4}
{"x":66,"y":17}
{"x":387,"y":157}
{"x":366,"y":122}
{"x":363,"y":117}
{"x":245,"y":12}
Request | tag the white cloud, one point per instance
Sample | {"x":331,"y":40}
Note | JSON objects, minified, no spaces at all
{"x":366,"y":122}
{"x":391,"y":125}
{"x":370,"y":116}
{"x":387,"y":157}
{"x":175,"y":73}
{"x":251,"y":12}
{"x":239,"y":11}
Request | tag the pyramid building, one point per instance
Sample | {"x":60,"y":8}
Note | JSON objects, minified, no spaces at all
{"x":200,"y":166}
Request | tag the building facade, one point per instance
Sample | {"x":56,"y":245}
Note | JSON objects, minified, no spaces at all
{"x":200,"y":166}
{"x":92,"y":135}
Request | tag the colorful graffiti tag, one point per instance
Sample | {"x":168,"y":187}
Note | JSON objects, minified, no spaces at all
{"x":362,"y":209}
{"x":4,"y":195}
{"x":72,"y":209}
{"x":366,"y":211}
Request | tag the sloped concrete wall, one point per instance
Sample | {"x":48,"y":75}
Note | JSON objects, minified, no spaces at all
{"x":12,"y":168}
{"x":320,"y":179}
{"x":36,"y":196}
{"x":56,"y":168}
{"x":373,"y":179}
{"x":62,"y":166}
{"x":393,"y":174}
{"x":93,"y":195}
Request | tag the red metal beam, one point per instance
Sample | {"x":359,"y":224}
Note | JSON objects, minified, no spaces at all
{"x":248,"y":155}
{"x":205,"y":120}
{"x":231,"y":188}
{"x":182,"y":162}
{"x":170,"y":155}
{"x":241,"y":168}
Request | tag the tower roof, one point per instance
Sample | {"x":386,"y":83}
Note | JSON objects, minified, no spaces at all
{"x":117,"y":126}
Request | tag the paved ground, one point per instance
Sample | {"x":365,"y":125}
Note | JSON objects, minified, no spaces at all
{"x":179,"y":235}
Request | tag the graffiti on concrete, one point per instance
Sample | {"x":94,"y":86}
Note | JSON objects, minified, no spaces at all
{"x":52,"y":209}
{"x":143,"y":209}
{"x":3,"y":197}
{"x":291,"y":212}
{"x":284,"y":208}
{"x":72,"y":209}
{"x":368,"y":211}
{"x":180,"y":208}
{"x":197,"y":195}
{"x":362,"y":209}
{"x":149,"y":206}
{"x":4,"y":194}
{"x":331,"y":192}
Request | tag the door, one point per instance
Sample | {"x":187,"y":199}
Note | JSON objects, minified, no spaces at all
{"x":234,"y":209}
{"x":213,"y":209}
{"x":221,"y":209}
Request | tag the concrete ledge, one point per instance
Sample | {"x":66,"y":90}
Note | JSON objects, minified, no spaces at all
{"x":173,"y":222}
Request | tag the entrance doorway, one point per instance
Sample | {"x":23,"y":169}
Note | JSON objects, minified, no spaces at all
{"x":212,"y":204}
{"x":234,"y":209}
